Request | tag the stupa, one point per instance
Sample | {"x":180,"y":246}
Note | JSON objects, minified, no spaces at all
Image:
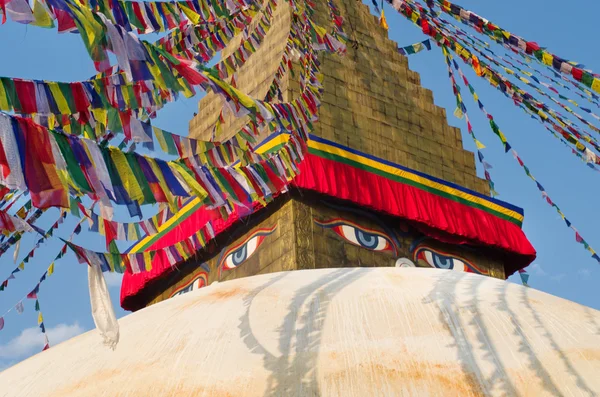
{"x":386,"y":181}
{"x":379,"y":272}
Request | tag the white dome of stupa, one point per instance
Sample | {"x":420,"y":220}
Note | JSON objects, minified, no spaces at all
{"x":334,"y":332}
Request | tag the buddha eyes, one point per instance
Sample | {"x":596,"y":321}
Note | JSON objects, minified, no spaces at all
{"x":238,"y":254}
{"x":441,"y":261}
{"x":193,"y":285}
{"x":357,"y":235}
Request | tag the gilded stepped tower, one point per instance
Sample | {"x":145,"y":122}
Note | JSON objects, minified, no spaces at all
{"x":386,"y":181}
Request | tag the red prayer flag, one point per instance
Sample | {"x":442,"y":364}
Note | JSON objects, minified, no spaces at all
{"x":46,"y":188}
{"x":26,"y":92}
{"x":577,"y":74}
{"x":4,"y":167}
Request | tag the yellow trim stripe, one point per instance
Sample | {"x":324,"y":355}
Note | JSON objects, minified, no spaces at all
{"x":171,"y":221}
{"x":415,"y":178}
{"x":321,"y":146}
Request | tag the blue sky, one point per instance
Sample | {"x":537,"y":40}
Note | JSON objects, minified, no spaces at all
{"x":563,"y":267}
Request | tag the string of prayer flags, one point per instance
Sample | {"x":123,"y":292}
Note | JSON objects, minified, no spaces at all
{"x":49,"y":233}
{"x":496,"y":59}
{"x":507,"y":148}
{"x":16,"y":237}
{"x":496,"y":80}
{"x":55,"y":98}
{"x":249,"y":44}
{"x":234,"y":185}
{"x":485,"y":47}
{"x":142,"y":261}
{"x":512,"y":73}
{"x":561,"y":139}
{"x":40,"y":322}
{"x":415,"y":48}
{"x":66,"y":155}
{"x":55,"y":146}
{"x":84,"y":98}
{"x":461,"y":111}
{"x":129,"y":231}
{"x":9,"y":197}
{"x":12,"y":224}
{"x":141,"y":17}
{"x":20,"y":308}
{"x":336,"y":18}
{"x":33,"y":294}
{"x":519,"y":44}
{"x":575,"y":152}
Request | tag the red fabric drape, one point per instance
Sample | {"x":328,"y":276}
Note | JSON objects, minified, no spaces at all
{"x":435,"y":216}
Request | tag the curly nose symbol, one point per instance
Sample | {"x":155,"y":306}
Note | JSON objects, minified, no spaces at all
{"x":404,"y":262}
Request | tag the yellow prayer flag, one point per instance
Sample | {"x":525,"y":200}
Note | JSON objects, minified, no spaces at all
{"x":61,"y":102}
{"x":40,"y":318}
{"x":130,"y":183}
{"x":476,"y":66}
{"x":3,"y":99}
{"x":22,"y":266}
{"x":22,"y":213}
{"x":479,"y":144}
{"x":147,"y":261}
{"x":596,"y":84}
{"x":101,"y":229}
{"x":51,"y":269}
{"x":191,"y":182}
{"x":458,"y":113}
{"x":547,"y":58}
{"x":189,"y":13}
{"x":42,"y":15}
{"x":383,"y":22}
{"x":158,"y":134}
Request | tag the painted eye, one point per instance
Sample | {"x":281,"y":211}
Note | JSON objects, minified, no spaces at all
{"x":193,"y":285}
{"x":442,"y":262}
{"x":237,"y":255}
{"x":448,"y":262}
{"x":184,"y":290}
{"x":363,"y":238}
{"x":357,"y":235}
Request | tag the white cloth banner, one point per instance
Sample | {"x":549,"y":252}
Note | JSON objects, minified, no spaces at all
{"x":102,"y":308}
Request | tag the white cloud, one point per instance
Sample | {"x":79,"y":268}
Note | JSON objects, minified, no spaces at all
{"x":557,"y":277}
{"x":584,"y":272}
{"x":113,"y":279}
{"x":536,"y":269}
{"x":31,"y":340}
